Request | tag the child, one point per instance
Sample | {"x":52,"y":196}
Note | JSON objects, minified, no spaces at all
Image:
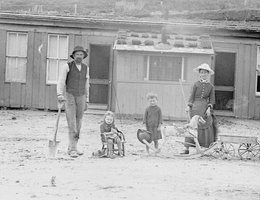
{"x":153,"y":119}
{"x":109,"y":134}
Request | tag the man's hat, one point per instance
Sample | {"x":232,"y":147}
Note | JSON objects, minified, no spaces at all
{"x":144,"y":135}
{"x":79,"y":48}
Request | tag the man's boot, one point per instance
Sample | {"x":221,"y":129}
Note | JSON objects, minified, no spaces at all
{"x":80,"y":153}
{"x":72,"y":152}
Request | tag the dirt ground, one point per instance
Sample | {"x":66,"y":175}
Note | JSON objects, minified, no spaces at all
{"x":26,"y":172}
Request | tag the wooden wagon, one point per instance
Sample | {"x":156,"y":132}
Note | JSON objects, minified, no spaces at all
{"x":248,"y":147}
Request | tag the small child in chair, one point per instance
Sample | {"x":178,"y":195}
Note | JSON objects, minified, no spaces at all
{"x":153,"y":119}
{"x":109,"y":134}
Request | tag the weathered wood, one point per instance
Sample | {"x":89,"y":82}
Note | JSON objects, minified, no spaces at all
{"x":134,"y":100}
{"x":47,"y":99}
{"x":53,"y":97}
{"x":84,"y":43}
{"x":43,"y":65}
{"x":36,"y":71}
{"x":71,"y":44}
{"x":78,"y":40}
{"x":15,"y":95}
{"x":132,"y":88}
{"x":238,"y":139}
{"x":239,"y":82}
{"x":29,"y":71}
{"x":246,"y":80}
{"x":113,"y":105}
{"x":110,"y":77}
{"x":100,"y":39}
{"x":23,"y":95}
{"x":252,"y":111}
{"x":2,"y":67}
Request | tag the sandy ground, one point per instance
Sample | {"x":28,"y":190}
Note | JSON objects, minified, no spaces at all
{"x":26,"y":172}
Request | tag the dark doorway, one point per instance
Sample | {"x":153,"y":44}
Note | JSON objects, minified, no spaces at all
{"x":99,"y":74}
{"x":225,"y":63}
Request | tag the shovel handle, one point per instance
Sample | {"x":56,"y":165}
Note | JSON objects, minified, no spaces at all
{"x":57,"y":123}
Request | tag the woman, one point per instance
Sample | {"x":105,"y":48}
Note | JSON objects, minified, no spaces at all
{"x":201,"y":101}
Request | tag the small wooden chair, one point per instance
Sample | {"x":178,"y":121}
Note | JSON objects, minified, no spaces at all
{"x":114,"y":148}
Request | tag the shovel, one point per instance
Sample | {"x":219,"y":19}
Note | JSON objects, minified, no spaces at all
{"x":53,"y":144}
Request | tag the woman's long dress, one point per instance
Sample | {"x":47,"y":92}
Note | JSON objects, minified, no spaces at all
{"x":202,"y":96}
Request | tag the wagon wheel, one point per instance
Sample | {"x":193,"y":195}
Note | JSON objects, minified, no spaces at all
{"x":248,"y":151}
{"x":227,"y":151}
{"x":216,"y":151}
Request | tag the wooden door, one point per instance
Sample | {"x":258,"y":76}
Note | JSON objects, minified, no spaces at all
{"x":224,"y":80}
{"x":99,"y":68}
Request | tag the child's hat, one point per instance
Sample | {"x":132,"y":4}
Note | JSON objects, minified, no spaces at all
{"x":144,"y":135}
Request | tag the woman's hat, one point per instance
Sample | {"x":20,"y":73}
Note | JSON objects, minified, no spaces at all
{"x":79,"y":48}
{"x":205,"y":67}
{"x":144,"y":135}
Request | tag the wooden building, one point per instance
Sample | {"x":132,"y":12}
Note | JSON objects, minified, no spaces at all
{"x":35,"y":46}
{"x":145,"y":63}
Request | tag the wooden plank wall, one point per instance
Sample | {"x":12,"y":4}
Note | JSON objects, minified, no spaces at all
{"x":254,"y":106}
{"x":246,"y":104}
{"x":51,"y":91}
{"x":4,"y":101}
{"x":36,"y":81}
{"x":35,"y":93}
{"x":132,"y":88}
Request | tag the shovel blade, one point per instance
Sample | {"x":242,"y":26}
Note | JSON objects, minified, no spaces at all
{"x":53,"y":146}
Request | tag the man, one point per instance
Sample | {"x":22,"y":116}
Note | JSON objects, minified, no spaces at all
{"x":74,"y":76}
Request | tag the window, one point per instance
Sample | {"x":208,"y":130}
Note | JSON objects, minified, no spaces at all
{"x":16,"y":57}
{"x":258,"y":72}
{"x":164,"y":68}
{"x":57,"y":56}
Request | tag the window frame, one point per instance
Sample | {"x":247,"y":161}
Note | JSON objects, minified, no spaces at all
{"x":48,"y":58}
{"x":257,"y":70}
{"x":23,"y":81}
{"x":146,"y":77}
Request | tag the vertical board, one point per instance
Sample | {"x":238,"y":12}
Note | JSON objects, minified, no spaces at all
{"x":36,"y":70}
{"x":6,"y":84}
{"x":2,"y":67}
{"x":127,"y":67}
{"x":134,"y":101}
{"x":23,"y":95}
{"x":84,"y":43}
{"x":113,"y":104}
{"x":78,"y":40}
{"x":15,"y":95}
{"x":29,"y":70}
{"x":246,"y":80}
{"x":47,"y":97}
{"x":53,"y":97}
{"x":42,"y":51}
{"x":71,"y":44}
{"x":251,"y":110}
{"x":120,"y":66}
{"x":239,"y":82}
{"x":140,"y":67}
